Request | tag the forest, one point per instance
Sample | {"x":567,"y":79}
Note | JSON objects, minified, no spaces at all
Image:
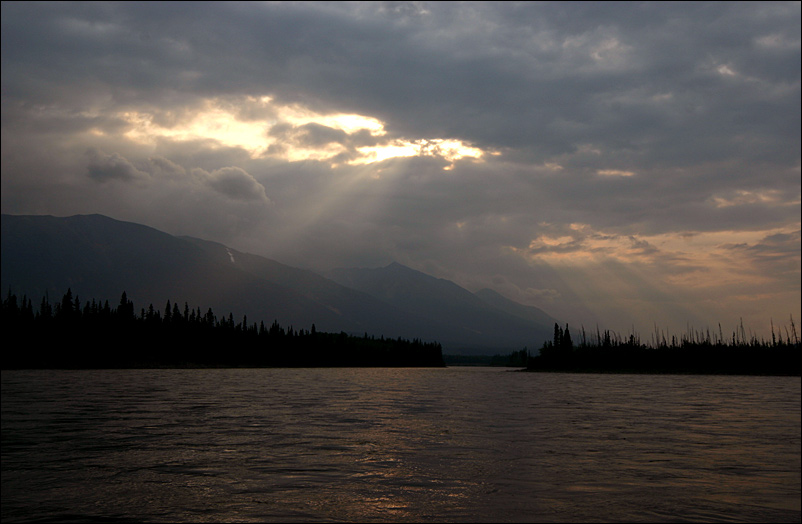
{"x":69,"y":334}
{"x":697,"y":352}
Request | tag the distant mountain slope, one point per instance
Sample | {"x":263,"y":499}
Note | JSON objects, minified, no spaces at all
{"x":356,"y":312}
{"x":471,"y":321}
{"x":529,"y":313}
{"x":99,"y":257}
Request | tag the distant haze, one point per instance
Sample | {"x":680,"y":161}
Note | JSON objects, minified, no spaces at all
{"x":620,"y":164}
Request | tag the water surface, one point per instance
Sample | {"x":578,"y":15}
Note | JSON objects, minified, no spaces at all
{"x":459,"y":444}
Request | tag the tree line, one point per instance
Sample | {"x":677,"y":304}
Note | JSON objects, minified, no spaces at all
{"x":697,"y":351}
{"x":72,"y":334}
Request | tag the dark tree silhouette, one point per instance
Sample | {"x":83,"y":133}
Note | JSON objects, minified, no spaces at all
{"x":694,"y":352}
{"x":98,"y":337}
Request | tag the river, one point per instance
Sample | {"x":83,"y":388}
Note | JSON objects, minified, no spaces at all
{"x":458,"y":444}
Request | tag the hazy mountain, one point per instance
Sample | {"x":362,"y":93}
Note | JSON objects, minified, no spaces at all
{"x":469,"y":320}
{"x":99,"y":257}
{"x":529,"y":313}
{"x":354,"y":311}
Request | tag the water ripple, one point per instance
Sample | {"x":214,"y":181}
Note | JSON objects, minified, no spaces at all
{"x":397,"y":445}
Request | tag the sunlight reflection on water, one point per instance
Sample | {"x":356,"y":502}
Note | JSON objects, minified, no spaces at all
{"x":391,"y":445}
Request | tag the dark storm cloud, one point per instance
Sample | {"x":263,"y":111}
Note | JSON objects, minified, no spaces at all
{"x":611,"y":126}
{"x":540,"y":77}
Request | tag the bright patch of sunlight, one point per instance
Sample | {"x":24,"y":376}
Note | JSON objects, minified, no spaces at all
{"x":248,"y":123}
{"x":614,"y":172}
{"x":210,"y":123}
{"x":350,"y":123}
{"x":450,"y":150}
{"x":397,"y":148}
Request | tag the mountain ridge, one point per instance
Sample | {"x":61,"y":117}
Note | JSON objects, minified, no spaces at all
{"x":449,"y":304}
{"x":98,"y":257}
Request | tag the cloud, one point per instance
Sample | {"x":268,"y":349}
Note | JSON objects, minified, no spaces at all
{"x":314,"y":134}
{"x":566,"y":152}
{"x":234,"y":183}
{"x":163,"y":167}
{"x":776,"y":254}
{"x":614,"y":172}
{"x":103,"y":167}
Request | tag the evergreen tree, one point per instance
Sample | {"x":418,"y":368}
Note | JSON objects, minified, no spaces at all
{"x":567,"y":343}
{"x":558,"y":336}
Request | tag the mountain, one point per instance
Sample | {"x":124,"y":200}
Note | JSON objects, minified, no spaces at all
{"x":528,"y":313}
{"x":98,"y":257}
{"x":472,"y":321}
{"x":352,"y":310}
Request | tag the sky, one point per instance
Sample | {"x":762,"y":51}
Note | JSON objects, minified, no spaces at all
{"x":632,"y":166}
